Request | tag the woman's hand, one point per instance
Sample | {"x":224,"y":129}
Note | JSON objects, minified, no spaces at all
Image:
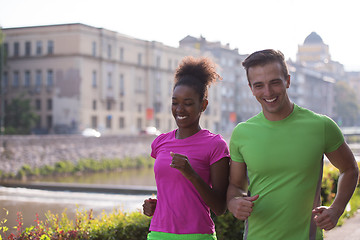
{"x":181,"y":162}
{"x":149,"y":206}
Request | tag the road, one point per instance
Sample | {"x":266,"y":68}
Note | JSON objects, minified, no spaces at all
{"x":350,"y":230}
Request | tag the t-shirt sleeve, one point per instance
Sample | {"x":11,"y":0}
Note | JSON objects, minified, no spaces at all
{"x":220,"y":150}
{"x":235,"y":145}
{"x":154,"y":145}
{"x":333,"y":135}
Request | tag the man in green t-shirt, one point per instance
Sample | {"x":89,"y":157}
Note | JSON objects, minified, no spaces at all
{"x":277,"y":160}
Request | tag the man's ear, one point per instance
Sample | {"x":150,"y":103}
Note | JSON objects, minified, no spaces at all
{"x":288,"y":81}
{"x":251,"y":88}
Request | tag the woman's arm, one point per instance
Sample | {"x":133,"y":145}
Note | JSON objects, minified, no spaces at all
{"x":215,"y":196}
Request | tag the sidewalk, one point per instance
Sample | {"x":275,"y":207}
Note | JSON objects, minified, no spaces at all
{"x":350,"y":230}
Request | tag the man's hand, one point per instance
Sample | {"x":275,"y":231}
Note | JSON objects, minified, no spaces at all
{"x":241,"y":207}
{"x":326,"y":217}
{"x":149,"y":206}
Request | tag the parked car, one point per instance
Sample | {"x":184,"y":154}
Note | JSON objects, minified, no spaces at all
{"x":150,"y":131}
{"x":90,"y":132}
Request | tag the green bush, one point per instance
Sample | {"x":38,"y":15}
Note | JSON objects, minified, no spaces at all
{"x":228,"y":227}
{"x":81,"y":166}
{"x":135,"y":225}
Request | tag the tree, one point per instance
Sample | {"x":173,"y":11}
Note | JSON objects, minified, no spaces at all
{"x":347,"y":109}
{"x":19,"y":118}
{"x":2,"y":57}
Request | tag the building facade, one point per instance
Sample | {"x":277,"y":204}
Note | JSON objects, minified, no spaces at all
{"x":237,"y":101}
{"x":311,"y":89}
{"x":78,"y":76}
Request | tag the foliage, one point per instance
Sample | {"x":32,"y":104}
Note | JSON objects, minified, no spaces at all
{"x":116,"y":225}
{"x":19,"y":117}
{"x":82,"y":166}
{"x":228,"y":227}
{"x":347,"y":109}
{"x":135,"y":225}
{"x":2,"y":64}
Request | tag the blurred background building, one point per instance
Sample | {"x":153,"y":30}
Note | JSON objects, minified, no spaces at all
{"x":78,"y":76}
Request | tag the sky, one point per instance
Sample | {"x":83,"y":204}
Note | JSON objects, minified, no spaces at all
{"x":250,"y":25}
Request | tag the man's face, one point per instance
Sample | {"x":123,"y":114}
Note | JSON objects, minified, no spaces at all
{"x":268,"y":84}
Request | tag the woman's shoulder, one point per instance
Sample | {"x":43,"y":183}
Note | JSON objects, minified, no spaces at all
{"x":214,"y":137}
{"x":164,"y":137}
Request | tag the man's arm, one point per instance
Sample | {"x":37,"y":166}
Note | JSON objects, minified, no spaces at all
{"x":344,"y":160}
{"x":238,"y":203}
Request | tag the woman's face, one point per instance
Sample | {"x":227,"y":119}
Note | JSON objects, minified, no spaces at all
{"x":187,"y":107}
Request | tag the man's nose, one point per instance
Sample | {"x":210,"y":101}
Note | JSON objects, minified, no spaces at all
{"x":268,"y":90}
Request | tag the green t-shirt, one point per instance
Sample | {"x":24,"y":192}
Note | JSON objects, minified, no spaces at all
{"x":284,"y":162}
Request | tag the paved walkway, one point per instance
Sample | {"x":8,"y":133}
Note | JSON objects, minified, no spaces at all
{"x":350,"y":230}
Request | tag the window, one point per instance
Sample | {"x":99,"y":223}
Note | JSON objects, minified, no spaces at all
{"x":6,"y":49}
{"x":158,"y":61}
{"x":108,"y":121}
{"x":38,"y":123}
{"x":38,"y":104}
{"x":139,"y":59}
{"x":108,"y":104}
{"x":139,"y":85}
{"x":94,"y":49}
{"x":16,"y":79}
{"x":139,"y":123}
{"x":16,"y":49}
{"x":157,"y":107}
{"x":5,"y":82}
{"x":157,"y":123}
{"x":49,"y":104}
{"x":139,"y":107}
{"x":38,"y":48}
{"x":50,"y":78}
{"x":121,"y":85}
{"x":121,"y":122}
{"x":94,"y":79}
{"x":94,"y":124}
{"x":27,"y":81}
{"x":170,"y":88}
{"x":121,"y":106}
{"x":109,"y":51}
{"x":49,"y":122}
{"x":94,"y":105}
{"x":121,"y":54}
{"x":170,"y":124}
{"x":27,"y":49}
{"x":50,"y":47}
{"x":176,"y":63}
{"x":169,"y":64}
{"x":109,"y":81}
{"x":158,"y":86}
{"x":38,"y":80}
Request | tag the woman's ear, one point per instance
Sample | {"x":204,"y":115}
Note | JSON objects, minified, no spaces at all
{"x":204,"y":104}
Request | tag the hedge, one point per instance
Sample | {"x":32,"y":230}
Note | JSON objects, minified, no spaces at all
{"x":134,"y":226}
